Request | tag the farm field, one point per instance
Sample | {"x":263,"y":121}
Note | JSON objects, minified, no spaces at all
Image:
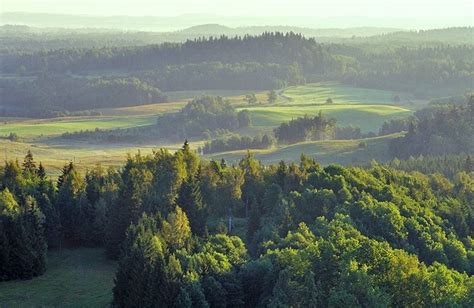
{"x":84,"y":155}
{"x":80,"y":277}
{"x":317,"y":93}
{"x":56,"y":126}
{"x":325,"y":152}
{"x":365,"y":108}
{"x":367,"y":117}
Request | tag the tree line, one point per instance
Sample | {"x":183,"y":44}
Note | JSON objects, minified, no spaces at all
{"x":438,"y":130}
{"x":270,"y":60}
{"x":48,"y":96}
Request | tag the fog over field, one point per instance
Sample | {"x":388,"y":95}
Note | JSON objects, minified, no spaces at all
{"x":236,"y":153}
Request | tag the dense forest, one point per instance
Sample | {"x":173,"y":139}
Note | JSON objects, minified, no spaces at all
{"x":438,"y":130}
{"x":47,"y":96}
{"x":191,"y":233}
{"x":266,"y":61}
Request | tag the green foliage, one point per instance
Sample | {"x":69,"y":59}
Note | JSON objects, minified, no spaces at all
{"x":439,"y":131}
{"x":237,"y":142}
{"x":205,"y":113}
{"x":306,"y":128}
{"x":297,"y":235}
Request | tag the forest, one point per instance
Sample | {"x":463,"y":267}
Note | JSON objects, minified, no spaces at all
{"x":267,"y":61}
{"x":50,"y":96}
{"x":439,"y":129}
{"x":251,"y":154}
{"x":193,"y":233}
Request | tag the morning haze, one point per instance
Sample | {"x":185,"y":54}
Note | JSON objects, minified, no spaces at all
{"x":236,"y":153}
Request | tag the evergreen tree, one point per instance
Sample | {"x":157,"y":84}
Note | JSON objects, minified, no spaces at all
{"x":41,"y":172}
{"x":310,"y":293}
{"x":183,"y":300}
{"x":29,"y":165}
{"x":67,"y":168}
{"x":141,"y":250}
{"x":214,"y":292}
{"x":190,"y":200}
{"x":176,"y":230}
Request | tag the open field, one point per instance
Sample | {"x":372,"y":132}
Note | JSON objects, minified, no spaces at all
{"x":342,"y":94}
{"x":367,"y":117}
{"x":75,"y":278}
{"x":325,"y":152}
{"x":57,"y":126}
{"x":54,"y":156}
{"x":365,"y":108}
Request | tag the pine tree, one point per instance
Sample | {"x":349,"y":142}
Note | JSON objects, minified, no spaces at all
{"x":190,"y":159}
{"x":254,"y":220}
{"x":196,"y":294}
{"x":29,"y":165}
{"x":190,"y":200}
{"x":13,"y":178}
{"x":282,"y":293}
{"x":176,"y":230}
{"x":41,"y":172}
{"x":141,"y":250}
{"x":214,"y":292}
{"x":67,"y":168}
{"x":34,"y":220}
{"x":310,"y":292}
{"x":183,"y":300}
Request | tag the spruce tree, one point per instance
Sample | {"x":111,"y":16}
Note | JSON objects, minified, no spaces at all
{"x":41,"y":172}
{"x":190,"y":200}
{"x":34,"y":220}
{"x":29,"y":165}
{"x":183,"y":300}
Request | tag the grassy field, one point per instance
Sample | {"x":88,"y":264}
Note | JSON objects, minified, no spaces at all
{"x":75,"y":278}
{"x":344,"y":152}
{"x":367,"y":117}
{"x":84,"y":155}
{"x":365,"y":108}
{"x":343,"y":94}
{"x":56,"y":126}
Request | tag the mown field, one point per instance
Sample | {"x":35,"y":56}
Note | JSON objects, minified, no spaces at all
{"x":365,"y":108}
{"x":80,"y":277}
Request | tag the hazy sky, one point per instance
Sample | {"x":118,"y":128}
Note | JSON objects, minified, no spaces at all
{"x":327,"y":8}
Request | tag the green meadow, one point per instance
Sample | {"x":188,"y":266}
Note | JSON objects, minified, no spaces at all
{"x":57,"y":126}
{"x":325,"y":152}
{"x":367,"y":117}
{"x":318,"y":93}
{"x":365,"y":108}
{"x":80,"y":277}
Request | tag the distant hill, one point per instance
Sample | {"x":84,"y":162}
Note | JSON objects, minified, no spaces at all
{"x":217,"y":29}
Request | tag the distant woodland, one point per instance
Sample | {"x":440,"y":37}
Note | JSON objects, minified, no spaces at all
{"x":263,"y":62}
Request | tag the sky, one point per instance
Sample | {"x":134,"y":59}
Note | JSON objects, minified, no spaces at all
{"x":323,"y":8}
